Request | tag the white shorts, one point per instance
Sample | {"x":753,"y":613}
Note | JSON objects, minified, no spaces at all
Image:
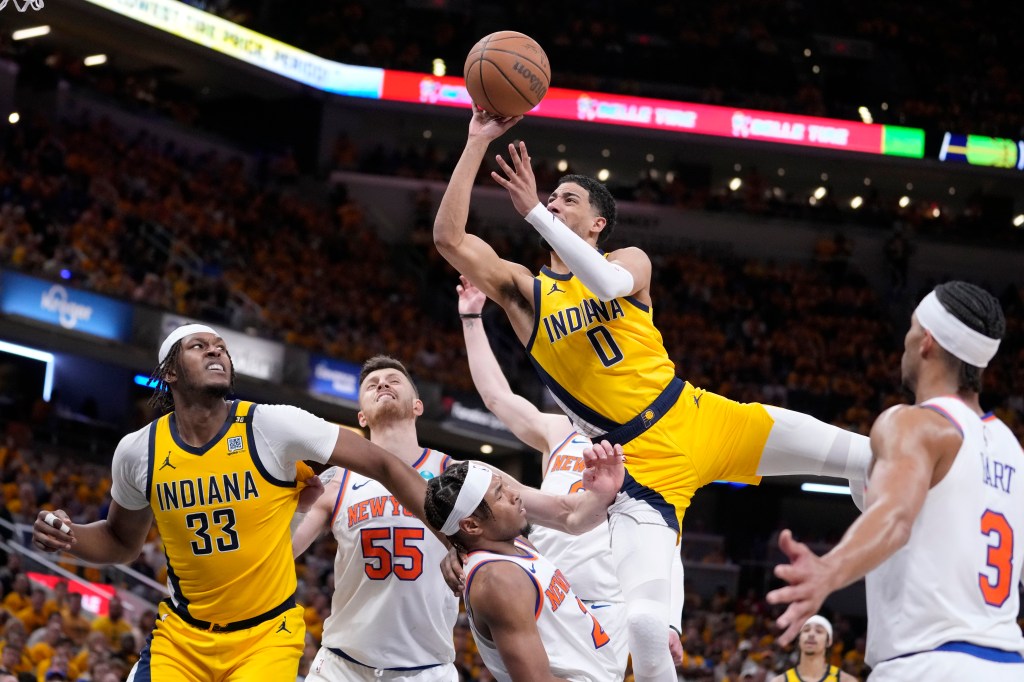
{"x":946,"y":666}
{"x":640,"y":511}
{"x":329,"y":667}
{"x":612,"y":617}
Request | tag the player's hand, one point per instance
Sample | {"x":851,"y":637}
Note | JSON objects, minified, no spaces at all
{"x":451,"y":570}
{"x":311,"y":492}
{"x":604,"y":471}
{"x":471,"y":299}
{"x":488,"y":126}
{"x":518,"y":179}
{"x":49,"y":534}
{"x":809,"y":585}
{"x":675,"y":647}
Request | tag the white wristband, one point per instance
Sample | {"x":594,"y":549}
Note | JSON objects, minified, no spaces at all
{"x":606,"y":280}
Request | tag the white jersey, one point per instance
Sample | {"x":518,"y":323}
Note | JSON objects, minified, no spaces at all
{"x":578,"y":648}
{"x":586,"y":560}
{"x":956,"y":579}
{"x":391,"y":607}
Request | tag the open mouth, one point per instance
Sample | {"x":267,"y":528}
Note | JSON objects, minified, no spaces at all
{"x":215,"y":367}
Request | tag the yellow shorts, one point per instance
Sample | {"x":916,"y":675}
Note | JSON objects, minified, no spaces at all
{"x":702,"y":438}
{"x":179,"y":652}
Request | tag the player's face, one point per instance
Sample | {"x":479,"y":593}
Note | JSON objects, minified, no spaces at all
{"x":813,"y":638}
{"x":386,"y":396}
{"x":508,"y":515}
{"x":571,"y":203}
{"x":911,"y":360}
{"x":205,"y":365}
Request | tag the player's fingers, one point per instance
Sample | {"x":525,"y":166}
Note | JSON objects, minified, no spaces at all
{"x":503,"y":164}
{"x":790,"y":547}
{"x":513,"y":153}
{"x":522,"y":152}
{"x":500,"y":179}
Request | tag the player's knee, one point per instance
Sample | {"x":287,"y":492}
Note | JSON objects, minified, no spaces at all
{"x":647,"y":641}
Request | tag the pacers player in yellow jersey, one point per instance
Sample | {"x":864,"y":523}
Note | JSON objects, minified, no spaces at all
{"x":586,"y":321}
{"x":813,"y":644}
{"x":219,"y":478}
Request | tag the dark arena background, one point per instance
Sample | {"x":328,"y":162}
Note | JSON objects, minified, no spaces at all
{"x":800,"y":175}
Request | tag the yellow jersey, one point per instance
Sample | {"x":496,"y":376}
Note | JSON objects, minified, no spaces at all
{"x":224,"y":521}
{"x":604,"y":361}
{"x":831,"y":675}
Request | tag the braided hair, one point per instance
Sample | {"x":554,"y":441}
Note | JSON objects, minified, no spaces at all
{"x":162,"y":399}
{"x":442,"y":492}
{"x":979,"y":310}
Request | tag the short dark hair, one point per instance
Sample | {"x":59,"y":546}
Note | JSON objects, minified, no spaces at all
{"x":442,"y":492}
{"x":385,"y":362}
{"x":601,"y":200}
{"x":979,"y":310}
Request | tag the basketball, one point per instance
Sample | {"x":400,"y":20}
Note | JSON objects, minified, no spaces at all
{"x":507,"y":73}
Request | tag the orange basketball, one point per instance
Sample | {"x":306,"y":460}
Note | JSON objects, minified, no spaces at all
{"x":507,"y":73}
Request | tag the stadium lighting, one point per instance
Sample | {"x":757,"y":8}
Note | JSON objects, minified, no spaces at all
{"x":936,"y":212}
{"x":856,"y":202}
{"x":34,"y":32}
{"x":735,"y":184}
{"x":562,"y":166}
{"x":486,"y":448}
{"x":439,"y":67}
{"x":34,"y":354}
{"x":606,"y":153}
{"x":820,"y":193}
{"x":904,"y":201}
{"x":825,"y":488}
{"x":1018,"y":220}
{"x":95,"y":60}
{"x":952,"y":191}
{"x":603,"y":175}
{"x":14,"y":117}
{"x":649,"y":158}
{"x":865,"y":115}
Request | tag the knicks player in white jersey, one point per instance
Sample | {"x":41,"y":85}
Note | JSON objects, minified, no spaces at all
{"x":528,"y":624}
{"x":586,"y":560}
{"x":392,"y":615}
{"x":941,"y":538}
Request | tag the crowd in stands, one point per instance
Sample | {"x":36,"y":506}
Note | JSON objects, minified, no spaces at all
{"x":948,"y":66}
{"x":78,"y":200}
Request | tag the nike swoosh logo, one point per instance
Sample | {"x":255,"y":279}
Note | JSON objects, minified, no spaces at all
{"x":357,"y":486}
{"x":581,"y":441}
{"x":599,"y":606}
{"x":533,"y":569}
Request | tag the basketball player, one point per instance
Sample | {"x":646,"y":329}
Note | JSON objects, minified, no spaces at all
{"x":813,"y":644}
{"x":219,"y":477}
{"x":940,"y":539}
{"x":584,"y":559}
{"x":527,"y":621}
{"x":586,"y":322}
{"x":387,"y":560}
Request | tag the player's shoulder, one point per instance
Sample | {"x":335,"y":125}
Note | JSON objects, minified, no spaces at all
{"x":135,"y":443}
{"x":494,"y":579}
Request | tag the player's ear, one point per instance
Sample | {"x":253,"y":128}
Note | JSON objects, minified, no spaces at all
{"x":471,"y":526}
{"x":417,"y":407}
{"x":362,"y":419}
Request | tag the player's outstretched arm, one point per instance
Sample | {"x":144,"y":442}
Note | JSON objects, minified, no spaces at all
{"x":316,"y":520}
{"x":467,"y":253}
{"x":117,"y":539}
{"x":908,"y":444}
{"x":579,"y":512}
{"x":502,"y":600}
{"x":535,"y":428}
{"x":360,"y":455}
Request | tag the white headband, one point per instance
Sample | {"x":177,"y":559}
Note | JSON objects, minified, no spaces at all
{"x":478,"y":480}
{"x":823,"y":622}
{"x":180,"y":333}
{"x":964,"y":343}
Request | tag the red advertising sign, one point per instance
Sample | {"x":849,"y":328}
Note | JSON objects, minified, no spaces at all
{"x":642,"y":112}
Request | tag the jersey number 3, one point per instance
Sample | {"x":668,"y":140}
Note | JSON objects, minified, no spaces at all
{"x":403,"y":559}
{"x":1000,"y":557}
